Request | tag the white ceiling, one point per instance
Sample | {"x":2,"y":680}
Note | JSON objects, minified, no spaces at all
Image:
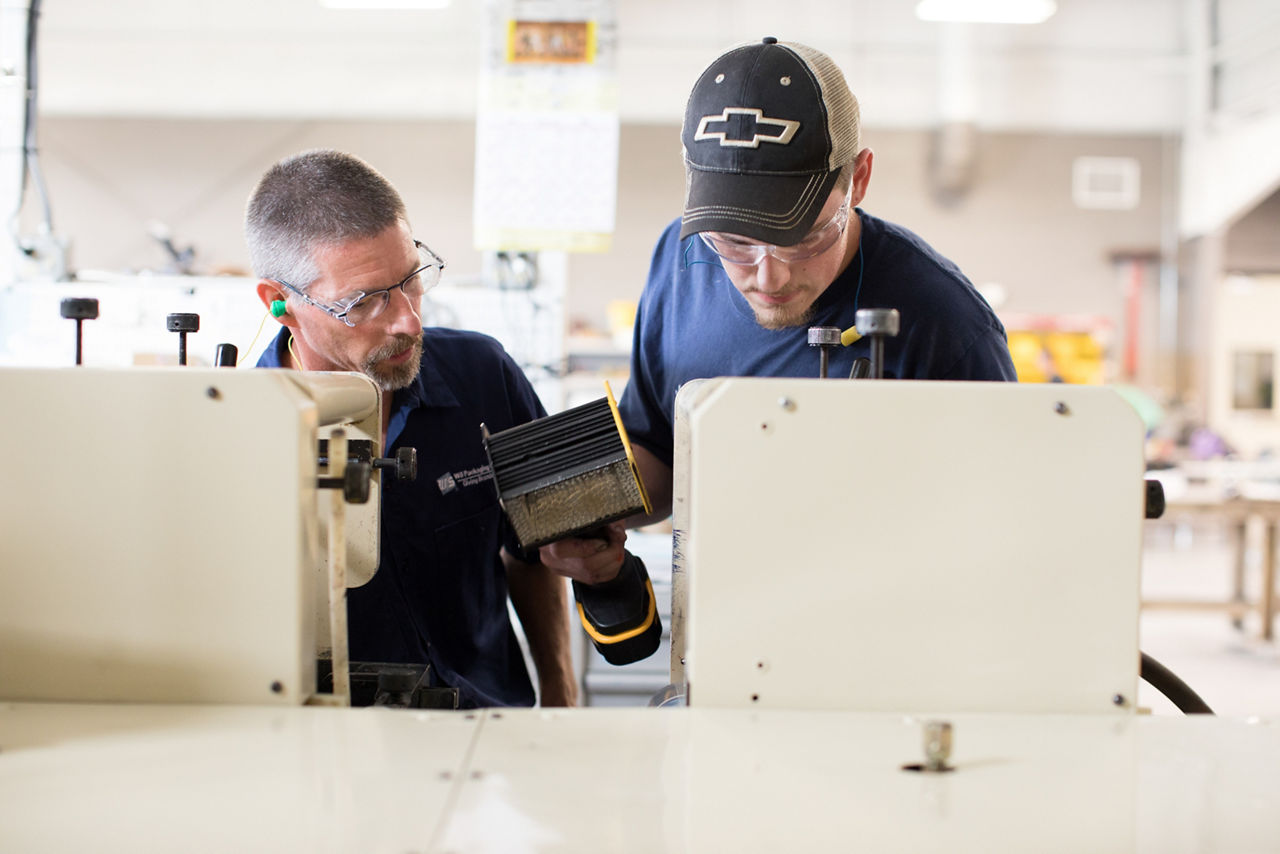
{"x":1111,"y":66}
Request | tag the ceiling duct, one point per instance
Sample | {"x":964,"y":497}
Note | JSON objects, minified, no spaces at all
{"x":953,"y":145}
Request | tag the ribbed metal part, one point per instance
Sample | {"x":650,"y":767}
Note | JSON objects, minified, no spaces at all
{"x":558,"y":447}
{"x":564,"y":474}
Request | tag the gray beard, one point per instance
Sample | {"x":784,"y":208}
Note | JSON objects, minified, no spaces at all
{"x":397,"y":376}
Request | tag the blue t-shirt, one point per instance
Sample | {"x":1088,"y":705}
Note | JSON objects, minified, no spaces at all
{"x":440,"y":592}
{"x":692,"y":323}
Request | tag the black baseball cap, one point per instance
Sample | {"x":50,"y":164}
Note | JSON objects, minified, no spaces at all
{"x":767,"y":128}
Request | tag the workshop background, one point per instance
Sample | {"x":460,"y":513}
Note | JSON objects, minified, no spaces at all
{"x":1109,"y":178}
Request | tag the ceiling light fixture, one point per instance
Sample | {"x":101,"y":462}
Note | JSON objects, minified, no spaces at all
{"x":987,"y":11}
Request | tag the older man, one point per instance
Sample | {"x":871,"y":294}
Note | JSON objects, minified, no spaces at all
{"x":340,"y":269}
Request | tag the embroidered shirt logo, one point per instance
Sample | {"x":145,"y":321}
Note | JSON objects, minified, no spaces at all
{"x":752,"y":122}
{"x":450,"y":481}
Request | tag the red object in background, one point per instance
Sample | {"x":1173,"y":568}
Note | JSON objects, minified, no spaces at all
{"x":1133,"y":316}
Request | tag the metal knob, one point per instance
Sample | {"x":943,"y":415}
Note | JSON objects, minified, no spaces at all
{"x":825,"y":338}
{"x":404,"y":463}
{"x":877,"y":324}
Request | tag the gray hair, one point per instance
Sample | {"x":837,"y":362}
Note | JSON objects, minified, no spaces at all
{"x":316,"y":198}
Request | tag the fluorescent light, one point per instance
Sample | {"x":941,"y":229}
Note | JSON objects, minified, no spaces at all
{"x":385,"y":4}
{"x":987,"y":11}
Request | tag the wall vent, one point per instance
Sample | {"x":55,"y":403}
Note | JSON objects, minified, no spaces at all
{"x":1108,"y":183}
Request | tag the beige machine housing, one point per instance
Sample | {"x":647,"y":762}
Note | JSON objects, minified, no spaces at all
{"x":908,"y":546}
{"x":162,"y":532}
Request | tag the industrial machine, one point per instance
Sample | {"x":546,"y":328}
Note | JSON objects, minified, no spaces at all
{"x":909,"y":623}
{"x":177,"y":539}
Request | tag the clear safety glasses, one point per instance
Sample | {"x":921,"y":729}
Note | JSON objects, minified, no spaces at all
{"x":740,"y":250}
{"x":363,"y":306}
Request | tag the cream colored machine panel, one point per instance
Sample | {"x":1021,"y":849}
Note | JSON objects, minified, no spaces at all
{"x":909,"y":546}
{"x":83,"y":777}
{"x":160,"y":534}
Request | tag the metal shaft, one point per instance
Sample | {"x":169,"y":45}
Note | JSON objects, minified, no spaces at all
{"x":79,"y":332}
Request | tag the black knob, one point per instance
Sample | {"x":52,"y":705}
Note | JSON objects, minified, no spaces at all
{"x":406,"y":464}
{"x":1155,"y":499}
{"x":355,"y":482}
{"x":182,"y":324}
{"x":79,"y":309}
{"x":225,"y":356}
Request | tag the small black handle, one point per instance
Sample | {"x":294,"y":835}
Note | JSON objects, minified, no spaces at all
{"x":1155,"y":499}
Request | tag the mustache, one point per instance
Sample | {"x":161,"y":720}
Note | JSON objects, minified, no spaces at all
{"x":394,"y":347}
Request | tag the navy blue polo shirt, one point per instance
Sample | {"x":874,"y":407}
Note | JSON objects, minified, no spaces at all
{"x":440,"y":592}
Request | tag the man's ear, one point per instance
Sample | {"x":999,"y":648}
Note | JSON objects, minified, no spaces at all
{"x":274,"y":298}
{"x":861,"y":176}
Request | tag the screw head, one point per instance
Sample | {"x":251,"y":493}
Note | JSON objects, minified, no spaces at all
{"x":1061,"y":408}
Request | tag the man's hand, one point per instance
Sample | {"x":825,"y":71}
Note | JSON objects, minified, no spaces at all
{"x":592,"y":561}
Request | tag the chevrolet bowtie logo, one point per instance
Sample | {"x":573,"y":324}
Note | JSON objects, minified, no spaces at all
{"x":751,"y":122}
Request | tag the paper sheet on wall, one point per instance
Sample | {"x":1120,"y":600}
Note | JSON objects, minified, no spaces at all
{"x":547,"y":127}
{"x":545,"y":180}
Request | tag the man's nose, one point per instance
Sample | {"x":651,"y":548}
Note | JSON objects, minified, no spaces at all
{"x":404,"y":315}
{"x":772,"y":274}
